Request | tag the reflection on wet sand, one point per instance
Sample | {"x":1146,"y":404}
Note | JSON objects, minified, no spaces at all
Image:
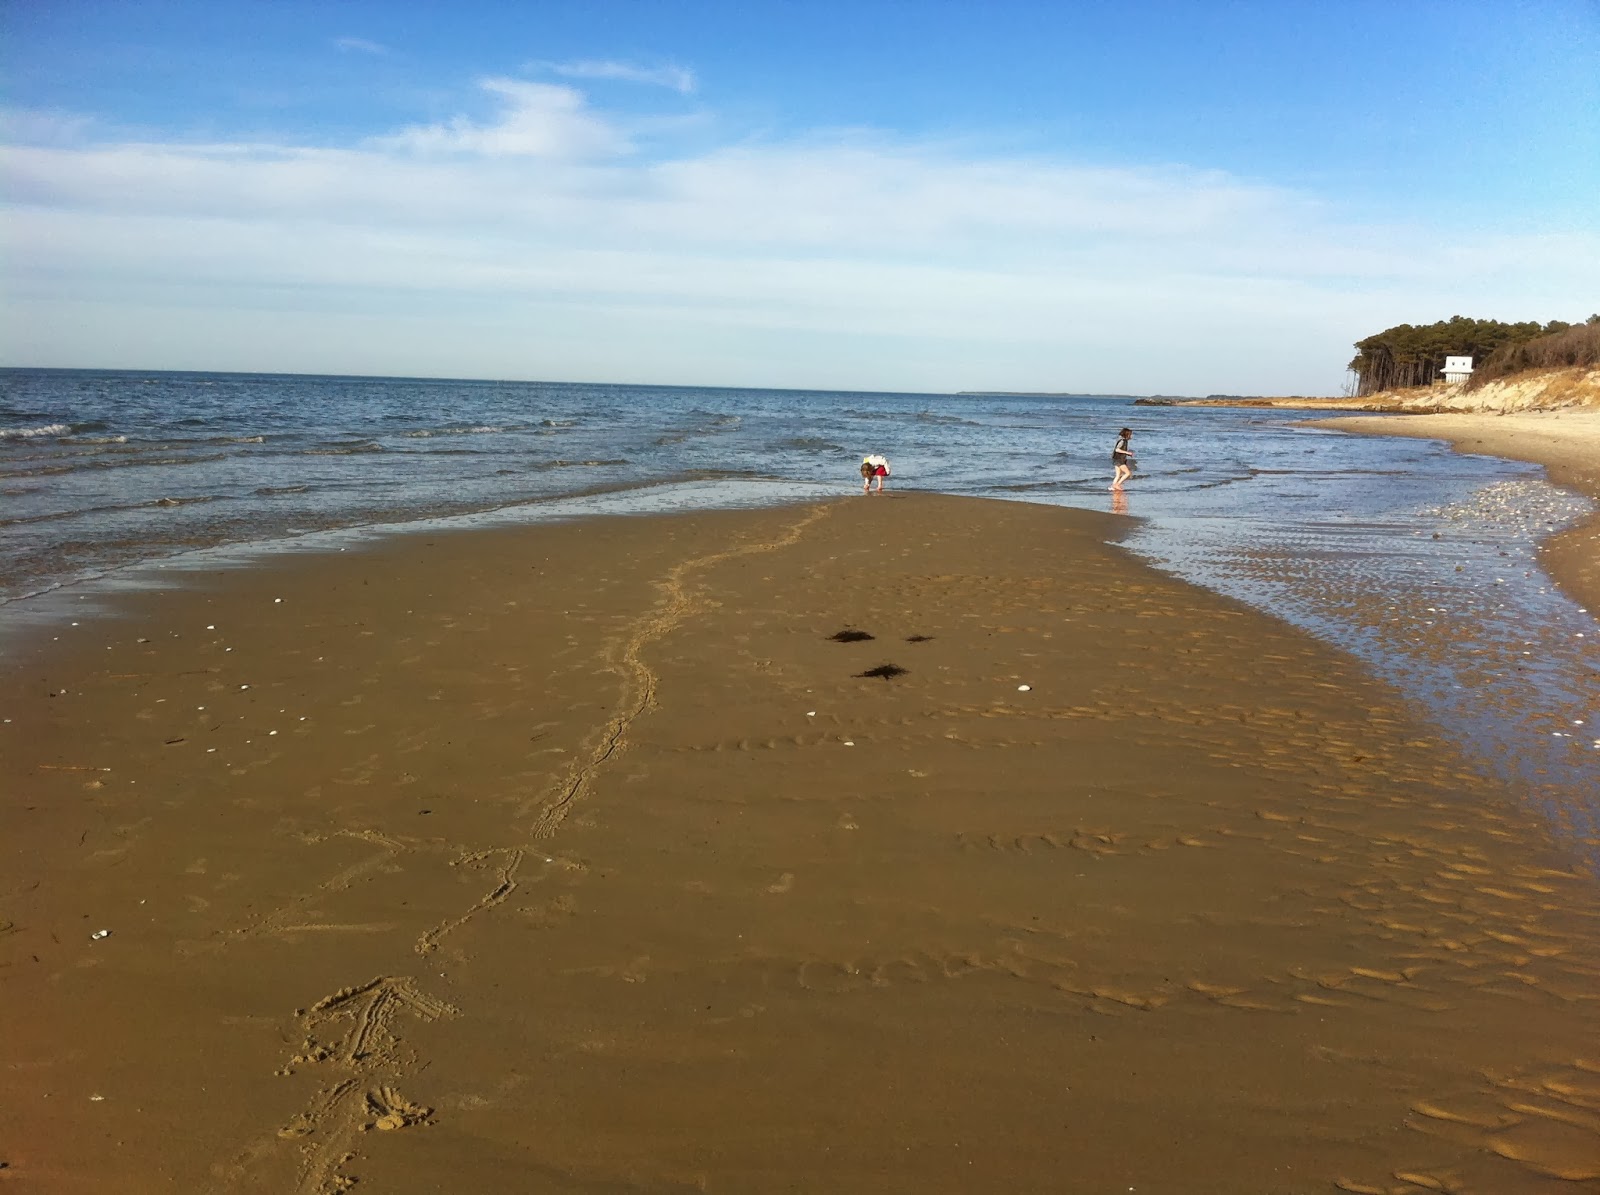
{"x":1455,"y":614}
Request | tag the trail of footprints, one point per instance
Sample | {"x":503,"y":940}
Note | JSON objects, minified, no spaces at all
{"x":1548,"y":1121}
{"x":352,"y":1030}
{"x":678,"y":602}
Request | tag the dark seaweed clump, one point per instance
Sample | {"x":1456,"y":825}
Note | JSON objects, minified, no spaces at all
{"x":850,"y":637}
{"x":887,"y":671}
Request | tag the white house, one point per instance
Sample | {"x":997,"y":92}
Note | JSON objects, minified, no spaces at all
{"x":1457,"y":369}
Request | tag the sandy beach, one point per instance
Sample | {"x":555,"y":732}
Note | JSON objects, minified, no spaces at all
{"x":1566,"y":442}
{"x":894,"y":844}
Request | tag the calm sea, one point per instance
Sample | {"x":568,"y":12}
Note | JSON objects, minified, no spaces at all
{"x":1420,"y":560}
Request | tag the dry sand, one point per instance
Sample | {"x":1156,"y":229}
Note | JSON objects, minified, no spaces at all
{"x":583,"y":858}
{"x":1566,"y":442}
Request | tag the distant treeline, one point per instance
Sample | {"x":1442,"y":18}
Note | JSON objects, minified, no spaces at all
{"x":1413,"y":355}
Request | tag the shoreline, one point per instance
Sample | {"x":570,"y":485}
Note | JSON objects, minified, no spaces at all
{"x":595,"y":828}
{"x":1566,"y":443}
{"x":1573,"y":388}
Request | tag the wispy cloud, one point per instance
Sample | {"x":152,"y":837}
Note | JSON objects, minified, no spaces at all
{"x":678,"y":78}
{"x":541,"y":120}
{"x":360,"y":45}
{"x":827,"y":260}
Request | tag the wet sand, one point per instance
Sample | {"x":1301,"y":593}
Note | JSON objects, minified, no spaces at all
{"x":1566,"y":442}
{"x":586,"y":858}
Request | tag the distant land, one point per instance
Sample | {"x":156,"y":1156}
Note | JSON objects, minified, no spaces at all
{"x":1239,"y":400}
{"x":1171,"y":398}
{"x":1033,"y":394}
{"x":1576,"y":386}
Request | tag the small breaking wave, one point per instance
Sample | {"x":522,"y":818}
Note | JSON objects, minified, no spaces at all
{"x":426,"y":432}
{"x":91,"y":440}
{"x":269,"y":491}
{"x":29,"y":433}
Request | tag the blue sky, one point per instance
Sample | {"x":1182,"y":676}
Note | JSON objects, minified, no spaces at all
{"x":1136,"y":198}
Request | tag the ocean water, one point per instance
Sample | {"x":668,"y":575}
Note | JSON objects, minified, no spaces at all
{"x":1420,"y":560}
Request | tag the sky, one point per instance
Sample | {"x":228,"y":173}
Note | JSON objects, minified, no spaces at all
{"x":1146,"y":197}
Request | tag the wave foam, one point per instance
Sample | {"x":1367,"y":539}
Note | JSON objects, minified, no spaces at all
{"x":456,"y":431}
{"x":28,"y":433}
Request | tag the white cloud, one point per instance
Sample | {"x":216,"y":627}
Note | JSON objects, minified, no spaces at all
{"x":548,"y":249}
{"x":537,"y":120}
{"x":361,"y":45}
{"x":677,"y":78}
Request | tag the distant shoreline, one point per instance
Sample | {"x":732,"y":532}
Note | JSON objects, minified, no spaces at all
{"x":1038,"y":394}
{"x":1547,"y":390}
{"x":1296,"y":401}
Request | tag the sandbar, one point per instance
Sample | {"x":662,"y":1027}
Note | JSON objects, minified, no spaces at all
{"x":894,"y":844}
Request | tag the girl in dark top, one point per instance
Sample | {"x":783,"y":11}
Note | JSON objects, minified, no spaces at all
{"x":1122,"y":458}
